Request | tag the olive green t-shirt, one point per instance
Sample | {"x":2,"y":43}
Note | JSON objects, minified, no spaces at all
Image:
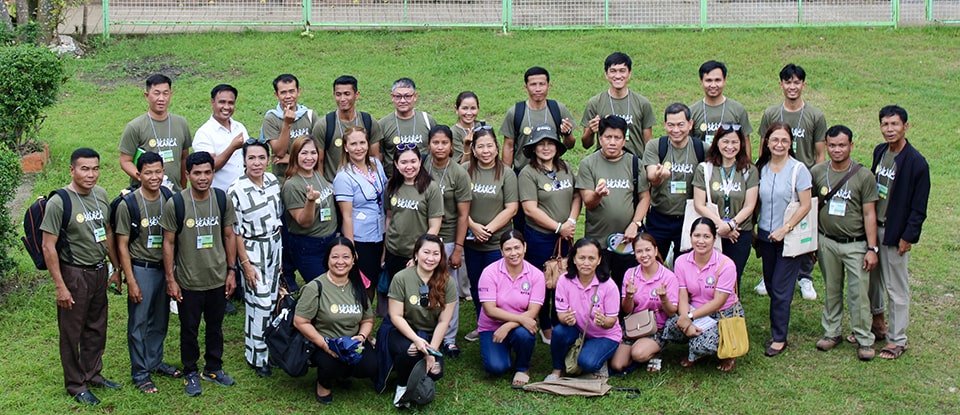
{"x":335,"y":312}
{"x":332,"y":152}
{"x":396,"y":131}
{"x":168,"y":138}
{"x":405,"y":288}
{"x":294,"y":196}
{"x":886,"y":174}
{"x":553,"y":196}
{"x":459,"y":134}
{"x":842,"y":215}
{"x":201,"y":261}
{"x":489,"y":197}
{"x":616,"y":210}
{"x":531,"y":119}
{"x":729,"y":184}
{"x":707,"y":118}
{"x":635,"y":109}
{"x":307,"y":124}
{"x":670,"y":197}
{"x":410,"y":215}
{"x":455,"y":186}
{"x":809,"y":126}
{"x":148,"y":246}
{"x":86,"y":232}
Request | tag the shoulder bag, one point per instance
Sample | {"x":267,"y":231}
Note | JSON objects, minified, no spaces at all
{"x":803,"y":238}
{"x":570,"y":362}
{"x":554,"y":267}
{"x":690,"y":213}
{"x":734,"y":340}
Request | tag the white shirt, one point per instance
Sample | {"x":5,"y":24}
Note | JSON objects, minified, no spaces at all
{"x":214,"y":138}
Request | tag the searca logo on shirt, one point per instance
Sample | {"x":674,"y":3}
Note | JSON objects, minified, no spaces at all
{"x":205,"y":221}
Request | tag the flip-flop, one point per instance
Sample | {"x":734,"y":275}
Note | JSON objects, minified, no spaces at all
{"x":167,"y":370}
{"x":147,"y":387}
{"x":653,"y":365}
{"x":519,"y":380}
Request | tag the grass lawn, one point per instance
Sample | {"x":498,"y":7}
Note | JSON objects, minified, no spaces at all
{"x":851,"y":74}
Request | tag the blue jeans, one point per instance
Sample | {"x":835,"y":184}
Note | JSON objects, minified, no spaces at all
{"x":594,"y":354}
{"x":476,"y":262}
{"x":739,"y":252}
{"x":307,"y":255}
{"x":496,"y":356}
{"x":539,"y":249}
{"x":147,"y":323}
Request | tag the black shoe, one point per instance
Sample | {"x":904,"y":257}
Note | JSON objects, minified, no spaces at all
{"x":326,"y":400}
{"x":451,"y":350}
{"x":230,"y":308}
{"x":105,"y":383}
{"x":86,"y":397}
{"x":263,"y":372}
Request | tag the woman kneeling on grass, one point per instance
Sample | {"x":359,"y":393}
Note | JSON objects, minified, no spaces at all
{"x":648,"y":286}
{"x":511,"y":292}
{"x":707,"y":291}
{"x":336,"y":309}
{"x":587,"y":302}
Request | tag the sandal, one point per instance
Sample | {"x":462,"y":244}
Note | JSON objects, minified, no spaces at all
{"x":147,"y":386}
{"x":687,"y":362}
{"x":892,"y":351}
{"x":167,"y":370}
{"x":727,"y":365}
{"x":519,"y":380}
{"x":654,"y":365}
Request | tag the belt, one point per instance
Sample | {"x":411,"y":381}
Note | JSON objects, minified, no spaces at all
{"x":861,"y":238}
{"x":96,"y":266}
{"x":146,"y":264}
{"x":881,"y":224}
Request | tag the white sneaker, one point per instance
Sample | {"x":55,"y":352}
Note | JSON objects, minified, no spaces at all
{"x":401,"y":390}
{"x":472,"y":336}
{"x":173,"y":307}
{"x":806,"y":289}
{"x":761,"y":289}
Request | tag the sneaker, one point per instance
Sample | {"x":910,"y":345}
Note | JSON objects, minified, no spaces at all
{"x":229,"y":308}
{"x":761,"y":289}
{"x":191,"y":383}
{"x":401,"y":390}
{"x":173,"y":307}
{"x":826,"y":343}
{"x":451,"y":350}
{"x":807,"y":290}
{"x":472,"y":336}
{"x":218,"y":377}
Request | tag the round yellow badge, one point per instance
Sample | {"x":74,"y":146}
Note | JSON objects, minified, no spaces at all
{"x":601,"y":181}
{"x":526,"y":130}
{"x":338,"y":142}
{"x":152,"y":142}
{"x":189,"y":222}
{"x":393,"y":201}
{"x":334,"y":309}
{"x":667,"y":165}
{"x":396,"y":140}
{"x":144,"y":222}
{"x":716,"y":186}
{"x":414,"y":299}
{"x":823,"y":190}
{"x":547,"y":186}
{"x":703,"y":127}
{"x":80,"y":218}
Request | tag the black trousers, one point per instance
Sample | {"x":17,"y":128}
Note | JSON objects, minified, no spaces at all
{"x":330,"y":369}
{"x":207,"y":305}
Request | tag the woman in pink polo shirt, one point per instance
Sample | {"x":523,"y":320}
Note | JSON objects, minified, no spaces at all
{"x":587,"y":302}
{"x":647,"y":286}
{"x":511,"y":293}
{"x":707,"y":291}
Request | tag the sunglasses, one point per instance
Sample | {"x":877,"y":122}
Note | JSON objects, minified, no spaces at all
{"x":406,"y":146}
{"x":424,"y":296}
{"x":251,"y":140}
{"x":482,"y":127}
{"x":730,"y":127}
{"x":553,"y":176}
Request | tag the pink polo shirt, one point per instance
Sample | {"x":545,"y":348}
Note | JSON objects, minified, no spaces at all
{"x":512,"y":295}
{"x":646,"y":297}
{"x":571,"y":295}
{"x":701,"y":283}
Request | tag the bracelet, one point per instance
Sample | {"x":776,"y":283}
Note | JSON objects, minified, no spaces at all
{"x":245,"y":261}
{"x":572,"y":220}
{"x":362,"y":335}
{"x":559,"y":224}
{"x":458,"y":244}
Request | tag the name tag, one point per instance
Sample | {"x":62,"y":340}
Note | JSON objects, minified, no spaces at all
{"x":882,"y":190}
{"x":325,"y":214}
{"x":204,"y":241}
{"x":167,"y":155}
{"x":794,"y":145}
{"x":154,"y":241}
{"x":100,"y":234}
{"x":678,"y":187}
{"x":837,"y":207}
{"x":708,"y":139}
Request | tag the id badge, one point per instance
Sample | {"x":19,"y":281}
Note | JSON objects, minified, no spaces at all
{"x":167,"y":155}
{"x":678,"y":187}
{"x":154,"y":241}
{"x":325,"y":214}
{"x":204,"y":241}
{"x":708,"y":139}
{"x":794,"y":145}
{"x":100,"y":234}
{"x":837,"y":207}
{"x":627,"y":135}
{"x":882,"y":190}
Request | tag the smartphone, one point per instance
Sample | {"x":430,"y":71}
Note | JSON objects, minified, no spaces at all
{"x":434,"y":352}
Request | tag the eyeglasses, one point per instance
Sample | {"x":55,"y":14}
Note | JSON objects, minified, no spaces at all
{"x":398,"y":97}
{"x":406,"y":146}
{"x":730,"y":127}
{"x":424,"y":296}
{"x":482,"y":127}
{"x":251,"y":140}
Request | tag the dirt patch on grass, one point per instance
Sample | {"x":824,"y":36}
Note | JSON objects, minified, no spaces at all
{"x":11,"y":282}
{"x":136,"y":70}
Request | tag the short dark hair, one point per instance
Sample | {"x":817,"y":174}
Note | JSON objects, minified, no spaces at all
{"x":345,"y":80}
{"x":223,"y":87}
{"x":256,"y":143}
{"x":158,"y":79}
{"x":148,"y":158}
{"x":617,"y":58}
{"x":285,"y":78}
{"x":891,"y":110}
{"x":838,"y":129}
{"x":612,"y":121}
{"x":442,"y":129}
{"x":792,"y":70}
{"x":536,"y":70}
{"x":197,"y":158}
{"x":603,"y":271}
{"x":83,"y":153}
{"x":711,"y":65}
{"x":464,"y":95}
{"x":676,"y":108}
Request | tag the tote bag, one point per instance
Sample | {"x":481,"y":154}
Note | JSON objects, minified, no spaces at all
{"x":803,"y":238}
{"x":690,"y":213}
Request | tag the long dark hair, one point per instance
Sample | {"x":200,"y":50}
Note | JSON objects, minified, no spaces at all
{"x":474,"y":163}
{"x":603,"y":272}
{"x":438,"y":281}
{"x":295,"y":147}
{"x":558,"y":162}
{"x":420,"y":182}
{"x":644,"y":236}
{"x":359,"y":292}
{"x":765,"y":145}
{"x":741,"y":160}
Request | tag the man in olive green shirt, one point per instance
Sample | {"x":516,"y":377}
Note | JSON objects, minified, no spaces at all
{"x":287,"y":121}
{"x":716,"y":108}
{"x":345,"y":94}
{"x":536,"y":111}
{"x":848,"y":240}
{"x":808,"y":124}
{"x":199,"y":262}
{"x":405,"y":124}
{"x":619,"y":100}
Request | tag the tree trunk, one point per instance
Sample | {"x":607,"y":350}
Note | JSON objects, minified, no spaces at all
{"x":6,"y":25}
{"x":44,"y":19}
{"x":23,"y":12}
{"x":83,"y":27}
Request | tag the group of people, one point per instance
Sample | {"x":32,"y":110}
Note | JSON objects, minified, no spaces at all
{"x":380,"y":218}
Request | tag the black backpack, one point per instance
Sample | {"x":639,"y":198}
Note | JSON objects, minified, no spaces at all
{"x":32,"y":235}
{"x":331,"y":120}
{"x":697,"y":148}
{"x":521,"y":108}
{"x":289,"y":349}
{"x":129,"y":196}
{"x":178,"y":206}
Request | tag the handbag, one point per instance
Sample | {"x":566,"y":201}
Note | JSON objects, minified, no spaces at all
{"x":803,"y":238}
{"x":690,"y":213}
{"x":734,"y":341}
{"x":287,"y":347}
{"x":640,"y":324}
{"x":573,"y":354}
{"x":554,"y":267}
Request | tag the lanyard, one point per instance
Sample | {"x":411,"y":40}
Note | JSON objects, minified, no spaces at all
{"x":154,"y":127}
{"x":356,"y":119}
{"x":614,"y":112}
{"x":442,"y":174}
{"x":396,"y":121}
{"x":86,"y":212}
{"x":146,"y":211}
{"x":193,"y":201}
{"x":706,"y":120}
{"x":799,"y":119}
{"x":530,"y":115}
{"x":727,"y":180}
{"x":313,"y":176}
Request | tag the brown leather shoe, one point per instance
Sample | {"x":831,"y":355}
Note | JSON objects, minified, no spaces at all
{"x":866,"y":353}
{"x":826,"y":343}
{"x":879,"y":327}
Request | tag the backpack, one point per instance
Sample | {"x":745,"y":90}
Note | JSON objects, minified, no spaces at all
{"x":288,"y":348}
{"x":178,"y":206}
{"x":331,"y":120}
{"x":129,"y":196}
{"x":520,"y":109}
{"x":697,"y":148}
{"x":32,"y":235}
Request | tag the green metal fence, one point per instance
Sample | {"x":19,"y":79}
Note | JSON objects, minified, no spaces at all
{"x":138,"y":16}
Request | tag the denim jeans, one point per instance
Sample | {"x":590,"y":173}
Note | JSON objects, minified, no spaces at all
{"x":496,"y":356}
{"x":307,"y":255}
{"x":476,"y":262}
{"x":539,"y":249}
{"x":593,"y":355}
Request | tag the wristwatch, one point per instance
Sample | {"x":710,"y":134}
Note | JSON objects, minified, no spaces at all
{"x":875,"y":249}
{"x":232,"y":268}
{"x":690,"y":315}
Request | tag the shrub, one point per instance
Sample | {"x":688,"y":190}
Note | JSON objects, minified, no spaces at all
{"x":9,"y":180}
{"x":30,"y":80}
